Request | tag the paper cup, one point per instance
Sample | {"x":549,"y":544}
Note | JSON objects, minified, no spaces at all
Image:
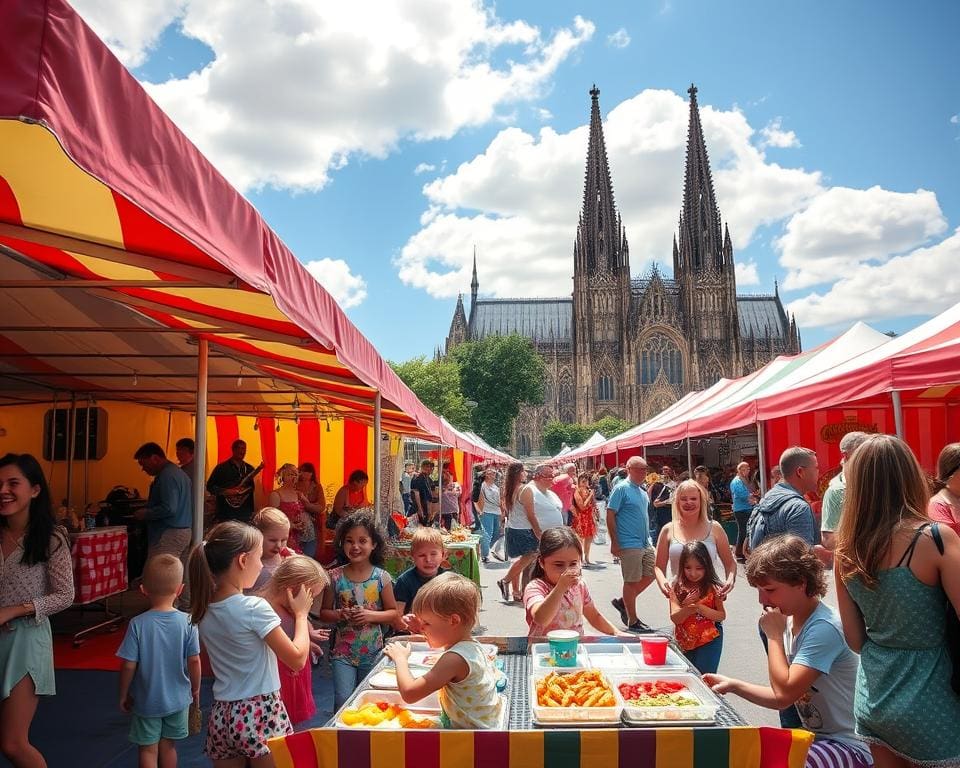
{"x":563,"y":647}
{"x":654,"y":649}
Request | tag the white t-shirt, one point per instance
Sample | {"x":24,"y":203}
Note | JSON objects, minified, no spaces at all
{"x":233,"y":632}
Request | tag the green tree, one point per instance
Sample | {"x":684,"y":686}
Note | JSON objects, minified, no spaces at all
{"x":499,"y":373}
{"x":556,"y":433}
{"x":437,"y":384}
{"x":609,"y":426}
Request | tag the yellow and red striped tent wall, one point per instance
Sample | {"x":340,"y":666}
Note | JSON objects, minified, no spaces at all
{"x":623,"y":748}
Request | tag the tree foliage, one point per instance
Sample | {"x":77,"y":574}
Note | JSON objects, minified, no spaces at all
{"x":556,"y":433}
{"x":437,"y":384}
{"x":499,"y":373}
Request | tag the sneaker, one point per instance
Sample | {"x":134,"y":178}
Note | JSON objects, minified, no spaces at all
{"x":504,"y":590}
{"x":484,"y":560}
{"x":638,"y":627}
{"x":617,"y":603}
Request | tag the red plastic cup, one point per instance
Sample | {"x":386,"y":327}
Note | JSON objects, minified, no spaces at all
{"x":654,"y":649}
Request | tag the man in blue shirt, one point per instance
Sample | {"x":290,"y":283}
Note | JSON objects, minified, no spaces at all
{"x":744,"y":499}
{"x":169,"y":510}
{"x":628,"y":526}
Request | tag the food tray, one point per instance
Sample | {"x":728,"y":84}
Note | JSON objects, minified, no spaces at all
{"x":427,"y":707}
{"x":386,"y":677}
{"x":705,"y":713}
{"x":550,"y":716}
{"x":422,"y":653}
{"x":612,"y":658}
{"x":540,"y":655}
{"x":675,"y":662}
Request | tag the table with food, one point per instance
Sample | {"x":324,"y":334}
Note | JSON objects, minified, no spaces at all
{"x":614,"y":701}
{"x":462,"y":553}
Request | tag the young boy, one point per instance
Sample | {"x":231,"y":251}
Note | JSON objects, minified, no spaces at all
{"x":160,"y":675}
{"x":426,"y":549}
{"x":808,"y":660}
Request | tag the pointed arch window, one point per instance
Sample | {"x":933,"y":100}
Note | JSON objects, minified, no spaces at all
{"x":523,"y":445}
{"x":659,"y":353}
{"x":565,"y":401}
{"x":605,"y":391}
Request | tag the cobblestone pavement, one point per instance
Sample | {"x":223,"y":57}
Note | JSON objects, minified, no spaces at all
{"x":743,"y":655}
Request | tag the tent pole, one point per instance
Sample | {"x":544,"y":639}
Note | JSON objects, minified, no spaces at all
{"x":200,"y":439}
{"x":71,"y":445}
{"x":53,"y":439}
{"x":86,"y":456}
{"x":689,"y":458}
{"x":762,"y":457}
{"x":616,"y":457}
{"x":377,"y":451}
{"x":897,"y":412}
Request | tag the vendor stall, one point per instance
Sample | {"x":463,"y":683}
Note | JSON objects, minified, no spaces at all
{"x":720,"y":739}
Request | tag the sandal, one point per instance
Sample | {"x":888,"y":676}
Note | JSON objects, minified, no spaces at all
{"x":504,"y":590}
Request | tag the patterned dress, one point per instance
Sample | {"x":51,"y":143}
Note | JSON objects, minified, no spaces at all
{"x":357,"y":643}
{"x":696,"y":630}
{"x":584,"y":524}
{"x":903,"y":699}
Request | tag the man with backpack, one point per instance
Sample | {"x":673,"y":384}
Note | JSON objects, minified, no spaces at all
{"x":784,"y":509}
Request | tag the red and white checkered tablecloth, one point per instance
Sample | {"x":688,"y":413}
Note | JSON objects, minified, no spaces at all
{"x":99,"y":563}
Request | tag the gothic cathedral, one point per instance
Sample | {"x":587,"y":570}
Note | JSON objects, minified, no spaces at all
{"x":625,"y":346}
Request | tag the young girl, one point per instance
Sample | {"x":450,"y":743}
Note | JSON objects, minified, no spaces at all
{"x":274,"y":526}
{"x":696,"y":607}
{"x":244,"y":640}
{"x":292,"y":503}
{"x":556,"y":597}
{"x":360,"y":603}
{"x":296,"y":686}
{"x":447,"y":608}
{"x":584,"y":515}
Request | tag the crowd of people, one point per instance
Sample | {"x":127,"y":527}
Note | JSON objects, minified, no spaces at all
{"x":875,"y":682}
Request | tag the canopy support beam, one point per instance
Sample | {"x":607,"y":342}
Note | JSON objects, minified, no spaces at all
{"x":200,"y":441}
{"x":897,"y":412}
{"x":71,"y":445}
{"x":377,"y":458}
{"x":689,"y":458}
{"x":762,"y":457}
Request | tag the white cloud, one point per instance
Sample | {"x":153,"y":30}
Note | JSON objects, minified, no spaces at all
{"x":922,"y":282}
{"x":845,"y":229}
{"x":518,"y":201}
{"x":424,"y":168}
{"x":773,"y":135}
{"x":130,"y":29}
{"x":295,"y":88}
{"x":746,"y":273}
{"x":544,"y":114}
{"x":334,"y":274}
{"x":619,"y":39}
{"x":955,"y":119}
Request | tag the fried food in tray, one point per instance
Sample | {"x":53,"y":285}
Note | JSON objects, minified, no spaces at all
{"x":586,"y":688}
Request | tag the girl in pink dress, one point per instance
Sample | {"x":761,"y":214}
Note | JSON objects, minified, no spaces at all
{"x":294,"y":573}
{"x":292,"y":503}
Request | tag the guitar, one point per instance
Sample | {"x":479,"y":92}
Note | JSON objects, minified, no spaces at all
{"x":237,"y":496}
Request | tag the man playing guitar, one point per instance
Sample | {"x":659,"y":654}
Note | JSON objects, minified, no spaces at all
{"x":231,"y":482}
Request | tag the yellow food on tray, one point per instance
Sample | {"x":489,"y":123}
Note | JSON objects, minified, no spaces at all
{"x":587,"y":688}
{"x":380,"y":714}
{"x":456,"y":536}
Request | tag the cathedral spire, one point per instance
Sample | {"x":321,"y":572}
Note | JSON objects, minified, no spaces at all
{"x":600,"y":237}
{"x":701,"y":246}
{"x":474,"y":283}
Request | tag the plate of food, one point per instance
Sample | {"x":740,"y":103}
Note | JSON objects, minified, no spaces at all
{"x":583,"y":697}
{"x":384,"y":710}
{"x":680,"y":697}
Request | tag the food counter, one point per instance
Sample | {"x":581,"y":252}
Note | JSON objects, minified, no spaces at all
{"x":720,"y":740}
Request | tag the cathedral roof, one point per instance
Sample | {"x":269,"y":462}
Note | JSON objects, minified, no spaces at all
{"x":762,"y":316}
{"x":538,"y":319}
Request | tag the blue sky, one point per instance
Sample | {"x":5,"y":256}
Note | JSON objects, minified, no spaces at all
{"x":833,"y":130}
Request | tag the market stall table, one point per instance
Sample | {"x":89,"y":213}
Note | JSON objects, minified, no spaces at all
{"x":728,"y":743}
{"x":99,"y":571}
{"x":463,"y":557}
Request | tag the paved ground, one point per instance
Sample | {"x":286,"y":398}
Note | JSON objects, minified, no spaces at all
{"x":743,"y":655}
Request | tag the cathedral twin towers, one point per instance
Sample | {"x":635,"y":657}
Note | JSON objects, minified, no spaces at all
{"x":625,"y":346}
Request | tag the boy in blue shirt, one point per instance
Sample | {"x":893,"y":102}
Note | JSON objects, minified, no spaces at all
{"x":160,"y":675}
{"x":426,"y":549}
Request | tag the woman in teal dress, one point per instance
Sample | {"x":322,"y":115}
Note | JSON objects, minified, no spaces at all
{"x":893,"y":588}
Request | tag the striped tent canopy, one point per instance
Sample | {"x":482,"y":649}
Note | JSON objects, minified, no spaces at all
{"x":121,"y":246}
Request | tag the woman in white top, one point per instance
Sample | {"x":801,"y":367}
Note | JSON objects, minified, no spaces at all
{"x":533,"y":510}
{"x":691,"y":522}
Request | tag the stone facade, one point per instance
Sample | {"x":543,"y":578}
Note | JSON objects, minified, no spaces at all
{"x":626,"y":346}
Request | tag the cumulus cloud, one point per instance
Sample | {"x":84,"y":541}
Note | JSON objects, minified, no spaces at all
{"x":424,"y":168}
{"x":295,"y":88}
{"x":955,"y":119}
{"x":746,"y":273}
{"x":518,"y":200}
{"x":131,"y":30}
{"x":773,"y":135}
{"x":334,"y":274}
{"x":922,"y":282}
{"x":844,"y":229}
{"x":619,"y":39}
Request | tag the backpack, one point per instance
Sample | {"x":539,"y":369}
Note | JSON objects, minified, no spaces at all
{"x":953,"y":623}
{"x":477,"y":489}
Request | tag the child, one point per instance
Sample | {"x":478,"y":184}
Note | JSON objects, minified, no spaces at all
{"x":556,"y":597}
{"x":160,"y":675}
{"x":426,"y":549}
{"x":448,"y":607}
{"x":296,"y":686}
{"x":244,"y":640}
{"x":275,"y":528}
{"x":696,"y":607}
{"x":359,"y":603}
{"x":808,"y":660}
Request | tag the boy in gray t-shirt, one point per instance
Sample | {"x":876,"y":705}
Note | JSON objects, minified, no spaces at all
{"x":809,"y":662}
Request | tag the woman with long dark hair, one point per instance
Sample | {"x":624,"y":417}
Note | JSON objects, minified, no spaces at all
{"x":36,"y":581}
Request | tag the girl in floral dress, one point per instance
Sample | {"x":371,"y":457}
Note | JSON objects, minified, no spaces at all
{"x":696,"y":607}
{"x":584,"y":515}
{"x":360,"y":602}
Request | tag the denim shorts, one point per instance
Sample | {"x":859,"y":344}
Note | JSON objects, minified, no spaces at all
{"x":520,"y":542}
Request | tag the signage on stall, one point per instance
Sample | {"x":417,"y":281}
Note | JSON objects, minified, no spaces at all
{"x":833,"y":433}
